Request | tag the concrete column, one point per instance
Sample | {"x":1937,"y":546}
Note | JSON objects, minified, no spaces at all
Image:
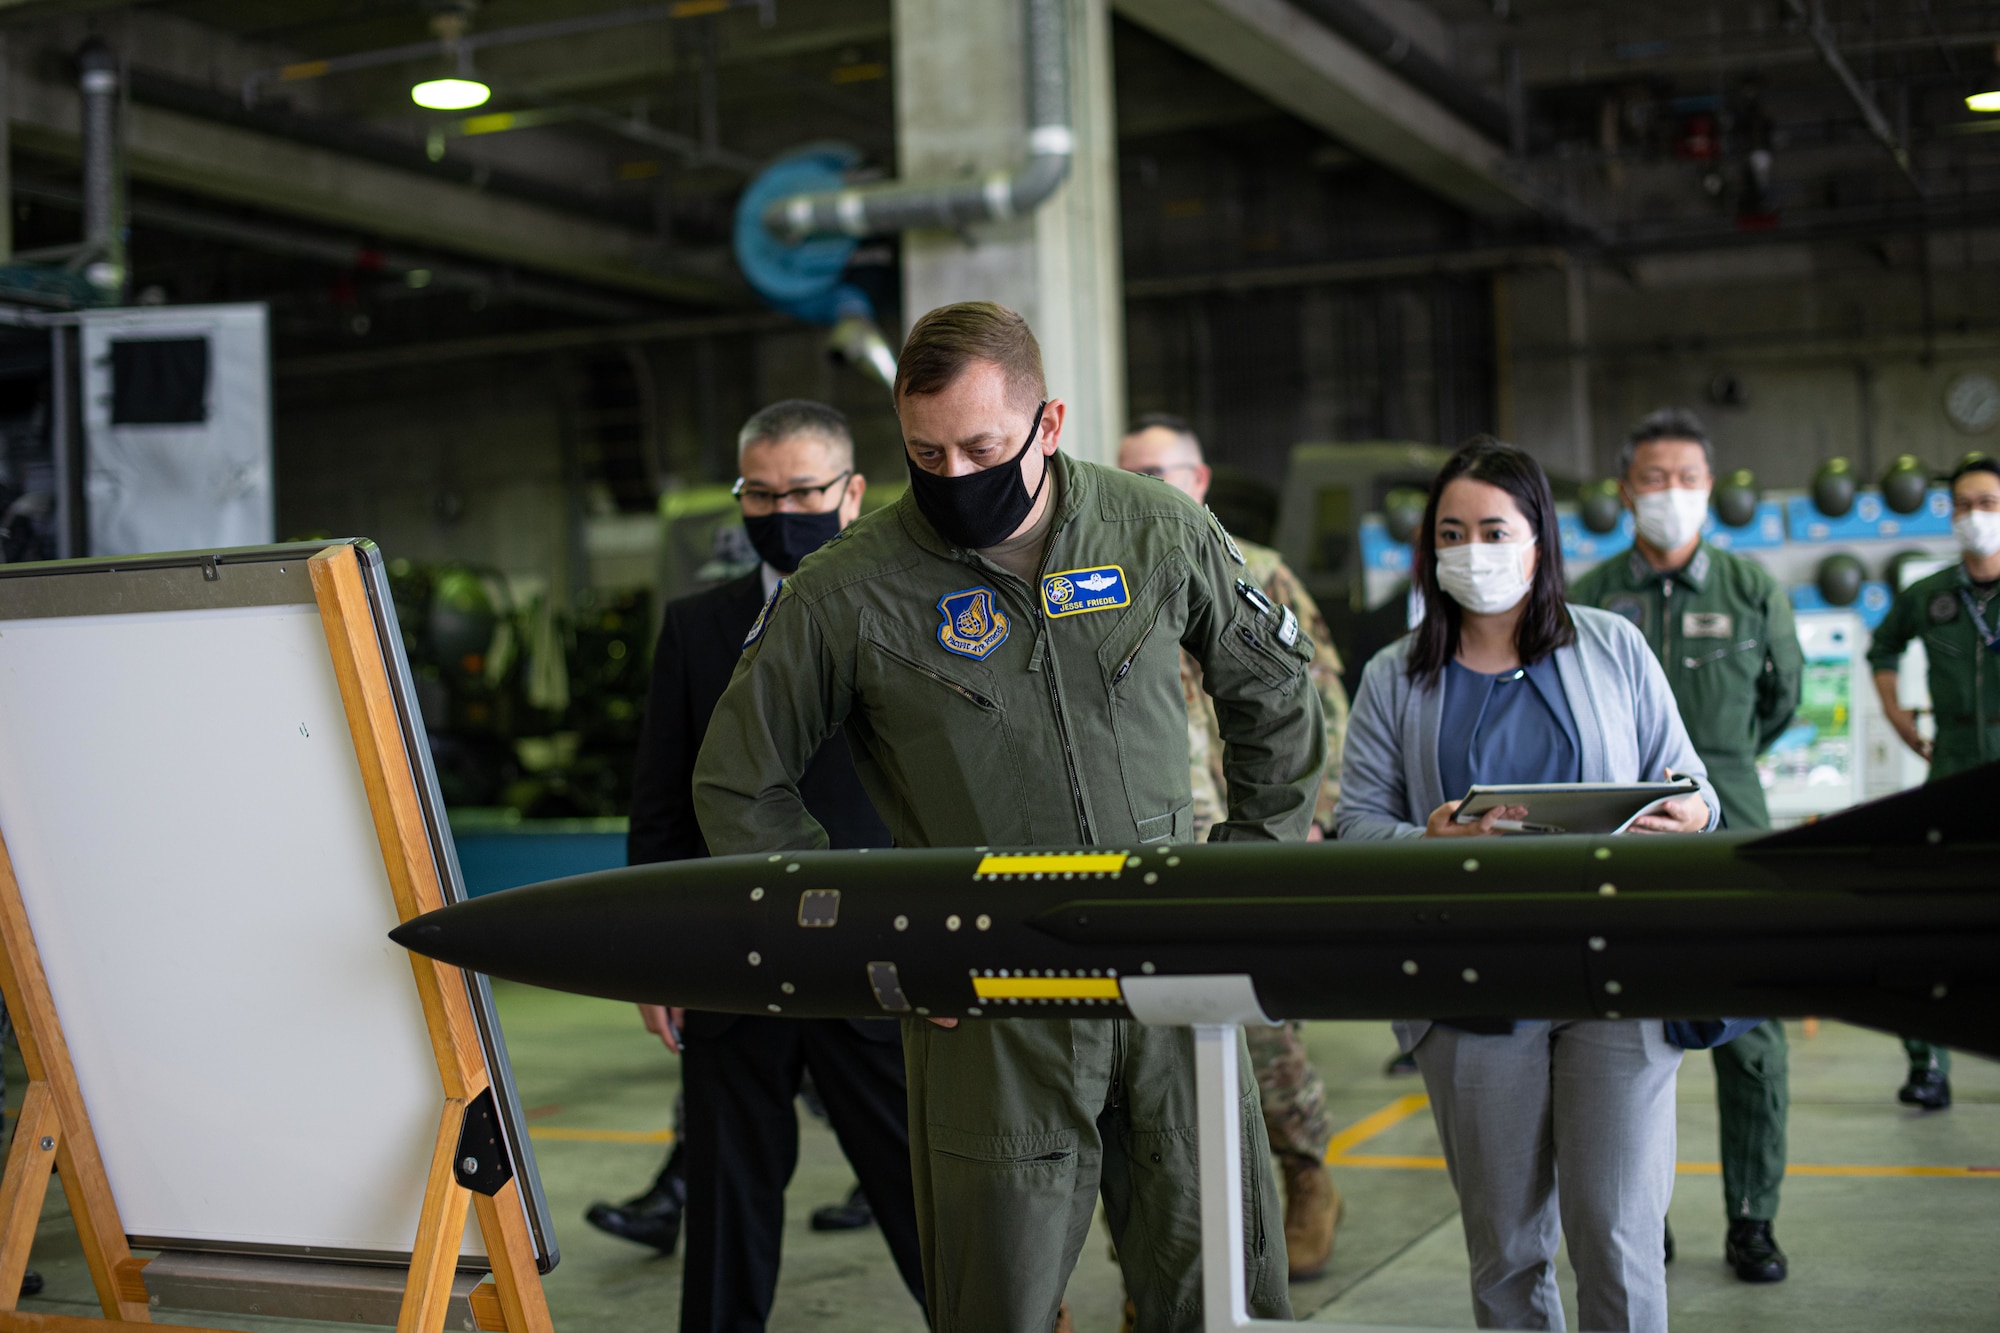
{"x":961,"y":109}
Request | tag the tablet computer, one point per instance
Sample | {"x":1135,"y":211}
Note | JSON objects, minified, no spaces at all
{"x":1572,"y":807}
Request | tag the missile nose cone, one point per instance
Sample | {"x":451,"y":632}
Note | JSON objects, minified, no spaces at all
{"x":417,"y":933}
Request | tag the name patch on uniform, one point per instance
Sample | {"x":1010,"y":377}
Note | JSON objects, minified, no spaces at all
{"x":973,"y":624}
{"x":1706,"y":624}
{"x":763,"y":620}
{"x":1075,"y":591}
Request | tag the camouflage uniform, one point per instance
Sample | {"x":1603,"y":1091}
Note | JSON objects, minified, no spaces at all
{"x":1294,"y":1098}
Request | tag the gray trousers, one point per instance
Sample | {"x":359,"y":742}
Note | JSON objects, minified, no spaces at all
{"x":1559,"y":1129}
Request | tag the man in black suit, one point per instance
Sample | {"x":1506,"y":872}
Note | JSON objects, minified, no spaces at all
{"x":741,"y":1074}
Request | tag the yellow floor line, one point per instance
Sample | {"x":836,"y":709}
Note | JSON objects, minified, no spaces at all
{"x":1339,"y":1153}
{"x":1366,"y":1128}
{"x":556,"y":1133}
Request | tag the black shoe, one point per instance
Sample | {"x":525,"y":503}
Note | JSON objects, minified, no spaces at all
{"x":1668,"y":1227}
{"x":654,"y":1218}
{"x":1405,"y":1062}
{"x":1753,"y":1251}
{"x":1927,"y":1088}
{"x":31,"y":1283}
{"x":850,"y":1216}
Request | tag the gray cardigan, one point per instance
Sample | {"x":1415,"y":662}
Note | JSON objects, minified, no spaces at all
{"x":1628,"y":729}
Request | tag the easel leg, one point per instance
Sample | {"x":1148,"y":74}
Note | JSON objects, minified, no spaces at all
{"x":501,"y":1221}
{"x":440,"y":1232}
{"x":25,"y":1185}
{"x":1224,"y":1297}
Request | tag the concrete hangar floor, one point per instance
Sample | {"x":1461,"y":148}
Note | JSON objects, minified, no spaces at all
{"x":1891,"y":1217}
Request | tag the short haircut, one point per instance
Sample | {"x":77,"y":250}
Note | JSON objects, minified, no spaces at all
{"x":1980,"y":464}
{"x":950,"y":338}
{"x":1545,"y":623}
{"x":799,"y":416}
{"x":1169,"y":421}
{"x":1668,"y":423}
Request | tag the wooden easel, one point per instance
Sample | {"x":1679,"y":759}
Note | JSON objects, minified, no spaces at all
{"x":54,"y":1126}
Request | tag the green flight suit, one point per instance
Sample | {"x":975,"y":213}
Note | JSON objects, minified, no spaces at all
{"x":1964,"y":676}
{"x":986,"y":710}
{"x":1722,"y":628}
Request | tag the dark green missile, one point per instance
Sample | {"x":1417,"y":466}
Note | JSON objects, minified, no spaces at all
{"x":1887,"y":915}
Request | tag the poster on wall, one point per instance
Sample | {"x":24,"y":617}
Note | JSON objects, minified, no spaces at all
{"x":1815,"y":767}
{"x":177,"y":428}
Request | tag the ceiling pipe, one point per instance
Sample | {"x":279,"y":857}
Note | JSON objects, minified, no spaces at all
{"x":98,"y":87}
{"x":1393,"y":47}
{"x":893,"y":206}
{"x":1821,"y":34}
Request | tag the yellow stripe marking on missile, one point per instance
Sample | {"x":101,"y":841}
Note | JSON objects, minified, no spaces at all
{"x":1046,"y":988}
{"x":1065,"y":863}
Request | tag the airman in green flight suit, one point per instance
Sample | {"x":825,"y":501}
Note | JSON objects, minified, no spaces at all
{"x":1722,"y":628}
{"x":1953,"y":611}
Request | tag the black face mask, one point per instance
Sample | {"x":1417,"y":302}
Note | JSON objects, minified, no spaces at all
{"x":979,"y":509}
{"x":785,"y":539}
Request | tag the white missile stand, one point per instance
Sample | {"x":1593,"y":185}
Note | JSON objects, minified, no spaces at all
{"x":1216,"y":1008}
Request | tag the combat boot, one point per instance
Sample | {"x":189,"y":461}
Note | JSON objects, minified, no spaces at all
{"x":1312,"y":1211}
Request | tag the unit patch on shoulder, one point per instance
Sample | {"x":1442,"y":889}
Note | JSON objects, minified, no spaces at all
{"x":763,"y":620}
{"x":1075,"y":591}
{"x":1228,"y":542}
{"x":973,"y":624}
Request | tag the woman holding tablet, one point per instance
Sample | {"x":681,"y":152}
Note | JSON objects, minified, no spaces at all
{"x":1502,"y":682}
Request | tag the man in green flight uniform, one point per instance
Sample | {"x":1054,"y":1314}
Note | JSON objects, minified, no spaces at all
{"x":1954,"y":612}
{"x":1723,"y":630}
{"x":1002,"y":647}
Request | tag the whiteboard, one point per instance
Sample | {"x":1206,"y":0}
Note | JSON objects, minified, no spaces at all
{"x":185,"y":813}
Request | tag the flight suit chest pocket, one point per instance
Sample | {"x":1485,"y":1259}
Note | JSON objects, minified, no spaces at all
{"x":917,"y":672}
{"x":1271,"y":644}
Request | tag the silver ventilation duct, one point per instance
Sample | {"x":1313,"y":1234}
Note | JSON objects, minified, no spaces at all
{"x":892,"y":206}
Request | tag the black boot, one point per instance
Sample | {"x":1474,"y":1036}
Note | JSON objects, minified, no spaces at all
{"x":1928,"y":1088}
{"x":850,"y":1216}
{"x":653,"y":1218}
{"x":1669,"y":1228}
{"x":1753,"y":1251}
{"x":31,"y":1283}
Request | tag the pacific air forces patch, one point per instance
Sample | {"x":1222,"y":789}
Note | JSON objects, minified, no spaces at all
{"x":973,"y":624}
{"x":763,"y":620}
{"x":1075,"y":591}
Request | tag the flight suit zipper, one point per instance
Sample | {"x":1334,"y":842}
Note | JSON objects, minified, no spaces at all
{"x":1055,"y":690}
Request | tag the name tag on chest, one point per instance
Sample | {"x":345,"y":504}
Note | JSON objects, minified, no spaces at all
{"x":1707,"y":625}
{"x":1075,"y":591}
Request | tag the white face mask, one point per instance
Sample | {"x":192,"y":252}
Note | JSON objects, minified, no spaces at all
{"x":1671,"y":518}
{"x":1978,"y":533}
{"x":1485,"y":577}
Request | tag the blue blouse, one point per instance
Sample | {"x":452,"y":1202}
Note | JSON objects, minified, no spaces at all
{"x":1513,"y":727}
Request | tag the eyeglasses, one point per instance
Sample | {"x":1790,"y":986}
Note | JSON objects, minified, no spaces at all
{"x":762,"y":499}
{"x":1986,"y":502}
{"x":1160,"y":473}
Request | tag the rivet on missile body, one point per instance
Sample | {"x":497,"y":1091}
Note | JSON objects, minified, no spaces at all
{"x":756,"y":959}
{"x":788,"y":988}
{"x":774,"y":1008}
{"x":1939,"y":991}
{"x":1597,"y":944}
{"x":1152,"y":877}
{"x":1607,"y":890}
{"x":902,"y":923}
{"x":756,"y":895}
{"x":952,"y":922}
{"x":779,"y":857}
{"x":975,"y":1011}
{"x":983,"y":921}
{"x":792,"y":869}
{"x":1603,"y":853}
{"x":1613,"y":988}
{"x":1132,"y":862}
{"x":1611,"y":1013}
{"x":1471,"y":863}
{"x":1470,"y":974}
{"x":1934,"y":837}
{"x":1147,"y":968}
{"x":1409,"y":967}
{"x":922,"y":1011}
{"x":1173,"y":860}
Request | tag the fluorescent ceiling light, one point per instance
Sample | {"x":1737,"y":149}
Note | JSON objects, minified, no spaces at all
{"x":450,"y":94}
